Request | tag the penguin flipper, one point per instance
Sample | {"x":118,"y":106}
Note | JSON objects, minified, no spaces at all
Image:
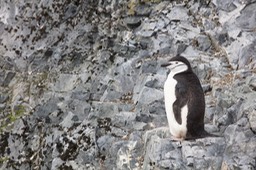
{"x":181,"y":100}
{"x":177,"y":111}
{"x":181,"y":90}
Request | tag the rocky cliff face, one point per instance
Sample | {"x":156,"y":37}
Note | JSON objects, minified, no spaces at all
{"x":82,"y":87}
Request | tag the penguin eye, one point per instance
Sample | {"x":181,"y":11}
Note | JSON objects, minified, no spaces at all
{"x":176,"y":62}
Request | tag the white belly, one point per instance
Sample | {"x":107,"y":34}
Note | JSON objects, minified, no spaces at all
{"x":176,"y":129}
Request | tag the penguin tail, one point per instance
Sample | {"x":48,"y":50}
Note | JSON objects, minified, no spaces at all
{"x":207,"y":134}
{"x":202,"y":134}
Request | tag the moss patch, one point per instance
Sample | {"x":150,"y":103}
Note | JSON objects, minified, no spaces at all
{"x":3,"y":159}
{"x":18,"y":111}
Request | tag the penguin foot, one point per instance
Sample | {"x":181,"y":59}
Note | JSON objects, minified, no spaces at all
{"x":173,"y":138}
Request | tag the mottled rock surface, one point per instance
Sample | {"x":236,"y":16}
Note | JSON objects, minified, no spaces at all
{"x":82,"y":87}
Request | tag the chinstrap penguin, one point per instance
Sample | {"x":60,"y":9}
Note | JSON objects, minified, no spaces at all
{"x":184,"y":101}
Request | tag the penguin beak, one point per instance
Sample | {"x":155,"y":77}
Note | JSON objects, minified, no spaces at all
{"x":166,"y":64}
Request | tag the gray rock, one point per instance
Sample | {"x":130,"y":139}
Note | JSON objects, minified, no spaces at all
{"x":247,"y":18}
{"x":248,"y":105}
{"x":252,"y":120}
{"x":149,"y":67}
{"x":204,"y":43}
{"x":80,"y":109}
{"x":70,"y":11}
{"x":231,"y":115}
{"x":148,"y":83}
{"x":2,"y":74}
{"x":190,"y":52}
{"x":211,"y":128}
{"x":223,"y":38}
{"x":8,"y":78}
{"x":157,"y":107}
{"x":197,"y":158}
{"x":181,"y":48}
{"x":226,"y":5}
{"x":39,"y":62}
{"x":56,"y":163}
{"x":132,"y":22}
{"x":80,"y":95}
{"x":127,"y":157}
{"x":203,"y":71}
{"x":85,"y":158}
{"x":159,"y":7}
{"x":124,"y":119}
{"x":1,"y":27}
{"x":149,"y":95}
{"x":163,"y":44}
{"x":162,"y":132}
{"x":6,"y":63}
{"x":237,"y":136}
{"x":143,"y":9}
{"x":147,"y":29}
{"x":2,"y":106}
{"x":68,"y":121}
{"x":3,"y":98}
{"x":178,"y":13}
{"x":252,"y":83}
{"x":44,"y":110}
{"x":245,"y":56}
{"x":158,"y":154}
{"x":104,"y":143}
{"x":156,"y":81}
{"x":206,"y":88}
{"x":246,"y":162}
{"x":19,"y":127}
{"x":221,"y":106}
{"x":103,"y":110}
{"x":66,"y":82}
{"x":14,"y":151}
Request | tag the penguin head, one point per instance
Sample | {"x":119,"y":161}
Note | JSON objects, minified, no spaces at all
{"x":178,"y":64}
